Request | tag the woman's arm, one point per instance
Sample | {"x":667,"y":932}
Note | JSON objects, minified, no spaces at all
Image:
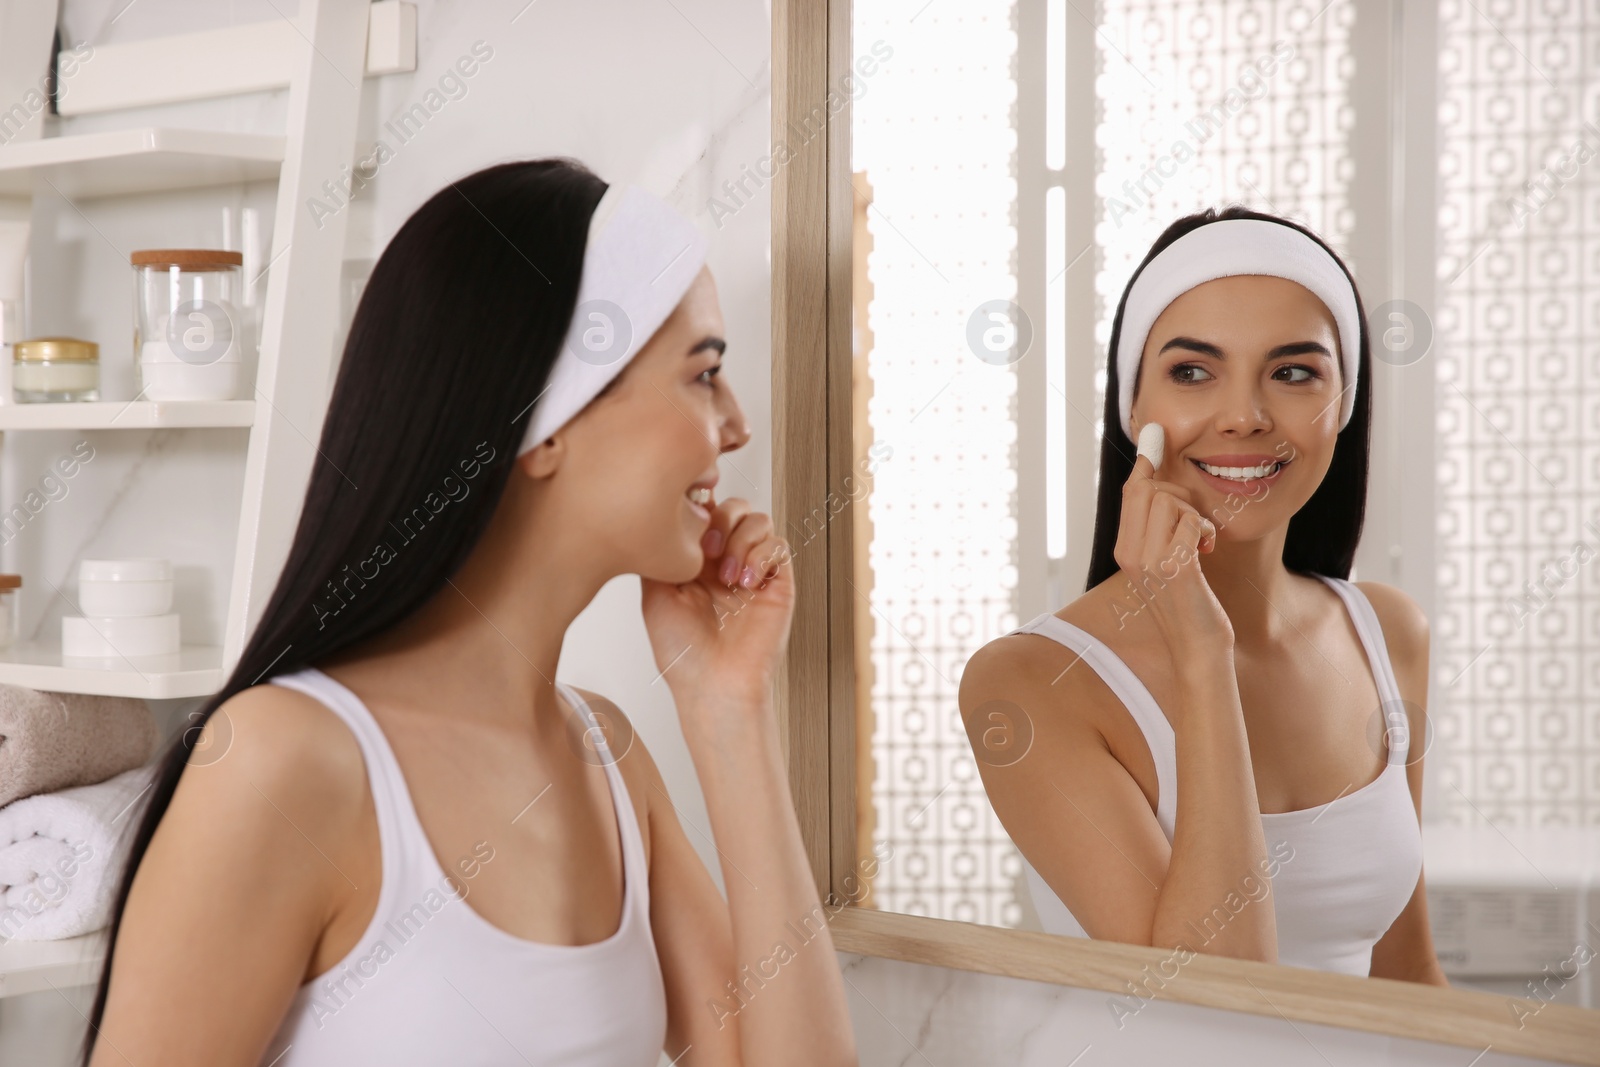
{"x":1406,"y":950}
{"x":718,"y":646}
{"x":712,"y":992}
{"x":1084,"y":823}
{"x":1219,"y":880}
{"x":235,"y":888}
{"x":688,"y":920}
{"x":786,"y":1002}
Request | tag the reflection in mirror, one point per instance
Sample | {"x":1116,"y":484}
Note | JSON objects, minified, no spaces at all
{"x":1267,"y":755}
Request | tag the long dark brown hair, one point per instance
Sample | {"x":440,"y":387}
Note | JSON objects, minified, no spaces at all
{"x":1323,"y":534}
{"x":454,"y":338}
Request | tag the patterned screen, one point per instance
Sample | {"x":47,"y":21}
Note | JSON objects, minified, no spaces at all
{"x":1517,"y":627}
{"x":1209,"y":103}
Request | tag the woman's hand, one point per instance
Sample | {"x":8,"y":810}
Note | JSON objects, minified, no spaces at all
{"x":1159,"y":542}
{"x":715,"y":637}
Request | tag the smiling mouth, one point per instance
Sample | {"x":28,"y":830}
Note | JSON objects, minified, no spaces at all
{"x":1263,"y":472}
{"x":699,"y":500}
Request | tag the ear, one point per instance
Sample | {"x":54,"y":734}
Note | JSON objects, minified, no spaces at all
{"x":544,"y":458}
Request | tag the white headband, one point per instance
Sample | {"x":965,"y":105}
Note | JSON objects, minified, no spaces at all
{"x":1223,"y":249}
{"x":640,"y":258}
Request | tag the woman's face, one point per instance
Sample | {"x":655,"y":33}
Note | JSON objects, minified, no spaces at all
{"x":630,"y":458}
{"x":1242,"y":371}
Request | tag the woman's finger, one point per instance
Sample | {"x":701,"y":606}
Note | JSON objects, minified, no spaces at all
{"x":1181,"y":529}
{"x":1134,"y":526}
{"x":725,"y":515}
{"x":771,"y":560}
{"x":1165,"y":513}
{"x":747,"y":536}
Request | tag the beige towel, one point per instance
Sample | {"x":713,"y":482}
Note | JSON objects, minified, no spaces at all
{"x":51,"y":741}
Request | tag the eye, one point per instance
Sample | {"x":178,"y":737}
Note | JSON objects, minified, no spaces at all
{"x":705,"y":376}
{"x":1176,"y":373}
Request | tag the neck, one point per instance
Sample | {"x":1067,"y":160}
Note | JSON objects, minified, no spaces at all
{"x":1254,"y":588}
{"x":489,"y":641}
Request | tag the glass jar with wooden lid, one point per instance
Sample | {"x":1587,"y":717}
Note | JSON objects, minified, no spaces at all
{"x":188,"y":334}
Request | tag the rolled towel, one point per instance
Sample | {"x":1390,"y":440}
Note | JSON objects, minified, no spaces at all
{"x":61,"y":853}
{"x":53,"y":741}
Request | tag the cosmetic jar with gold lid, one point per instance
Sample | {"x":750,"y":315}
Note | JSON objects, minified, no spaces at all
{"x":51,"y":369}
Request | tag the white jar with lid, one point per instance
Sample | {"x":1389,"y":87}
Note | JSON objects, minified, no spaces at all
{"x":114,"y":637}
{"x":118,"y":588}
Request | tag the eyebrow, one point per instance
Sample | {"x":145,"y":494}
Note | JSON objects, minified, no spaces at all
{"x":1206,"y":348}
{"x":715,"y":343}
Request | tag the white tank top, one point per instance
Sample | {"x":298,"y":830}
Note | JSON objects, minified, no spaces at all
{"x":1345,"y":869}
{"x":431,"y":981}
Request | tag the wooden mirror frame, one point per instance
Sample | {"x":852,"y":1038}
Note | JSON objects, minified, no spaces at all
{"x":812,"y":223}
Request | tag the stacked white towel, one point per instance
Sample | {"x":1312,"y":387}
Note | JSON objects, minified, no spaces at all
{"x":61,"y":853}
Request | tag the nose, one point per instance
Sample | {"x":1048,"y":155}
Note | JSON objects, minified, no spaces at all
{"x":1241,"y":411}
{"x":735,"y":430}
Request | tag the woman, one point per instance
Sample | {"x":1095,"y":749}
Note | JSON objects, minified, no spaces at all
{"x":391,"y":837}
{"x":1236,"y":771}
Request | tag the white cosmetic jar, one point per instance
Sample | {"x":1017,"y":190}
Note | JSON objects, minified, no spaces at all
{"x":120,"y":588}
{"x":109,"y":636}
{"x":166,"y":376}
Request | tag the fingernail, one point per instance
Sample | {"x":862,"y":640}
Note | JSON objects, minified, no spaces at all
{"x":748,"y":579}
{"x":712,"y":541}
{"x":730,"y":568}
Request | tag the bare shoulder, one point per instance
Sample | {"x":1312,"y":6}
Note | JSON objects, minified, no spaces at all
{"x":621,"y":737}
{"x":1029,"y":671}
{"x":244,"y":871}
{"x":280,"y":735}
{"x":1404,"y":623}
{"x":1031,"y":659}
{"x":633,"y":757}
{"x":287,"y":760}
{"x":1008,"y":664}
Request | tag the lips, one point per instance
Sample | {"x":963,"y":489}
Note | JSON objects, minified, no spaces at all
{"x":699,"y":497}
{"x":1249,"y":484}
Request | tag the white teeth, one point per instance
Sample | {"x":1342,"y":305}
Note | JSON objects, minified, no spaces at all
{"x":700,"y":494}
{"x":1239,"y":474}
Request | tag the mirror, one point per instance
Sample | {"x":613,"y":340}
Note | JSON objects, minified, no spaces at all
{"x":1012,"y":162}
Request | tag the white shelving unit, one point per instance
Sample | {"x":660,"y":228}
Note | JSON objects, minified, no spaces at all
{"x":322,"y":58}
{"x":152,"y":159}
{"x":35,"y":966}
{"x":195,"y":671}
{"x":128,"y":415}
